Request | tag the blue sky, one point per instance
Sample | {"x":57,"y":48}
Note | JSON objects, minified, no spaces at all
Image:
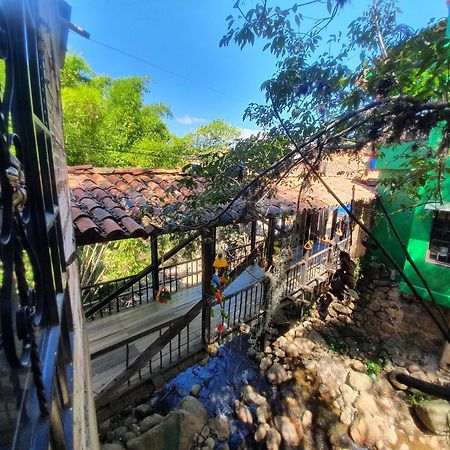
{"x":182,"y":36}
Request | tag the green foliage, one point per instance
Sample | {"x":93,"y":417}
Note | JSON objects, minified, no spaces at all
{"x":106,"y":122}
{"x":416,"y":398}
{"x":313,"y":84}
{"x":337,"y":347}
{"x":373,"y":368}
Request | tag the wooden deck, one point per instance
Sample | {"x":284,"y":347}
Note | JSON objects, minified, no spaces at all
{"x":107,"y":335}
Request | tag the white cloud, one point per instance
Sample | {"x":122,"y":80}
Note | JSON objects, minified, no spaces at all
{"x":247,"y":132}
{"x":189,"y":120}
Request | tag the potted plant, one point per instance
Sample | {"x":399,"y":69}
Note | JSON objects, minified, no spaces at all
{"x":163,"y":295}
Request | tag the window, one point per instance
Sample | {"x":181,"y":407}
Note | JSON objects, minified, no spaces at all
{"x":439,"y":249}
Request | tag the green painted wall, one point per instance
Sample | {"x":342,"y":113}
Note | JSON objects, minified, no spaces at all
{"x":414,"y":226}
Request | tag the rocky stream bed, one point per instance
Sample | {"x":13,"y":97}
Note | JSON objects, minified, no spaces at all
{"x":320,"y":384}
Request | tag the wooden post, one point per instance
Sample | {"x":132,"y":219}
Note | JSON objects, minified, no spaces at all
{"x":270,"y":240}
{"x":155,"y":273}
{"x":253,"y":235}
{"x":208,"y":253}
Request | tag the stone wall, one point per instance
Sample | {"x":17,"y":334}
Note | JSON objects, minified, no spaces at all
{"x":380,"y":321}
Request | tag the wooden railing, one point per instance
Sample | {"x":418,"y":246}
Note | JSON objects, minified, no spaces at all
{"x":174,"y":276}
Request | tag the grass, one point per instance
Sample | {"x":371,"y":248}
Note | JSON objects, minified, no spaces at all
{"x":337,"y":347}
{"x":415,"y":398}
{"x":373,"y":368}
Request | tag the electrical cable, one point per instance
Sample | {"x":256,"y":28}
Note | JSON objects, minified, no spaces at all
{"x":158,"y":67}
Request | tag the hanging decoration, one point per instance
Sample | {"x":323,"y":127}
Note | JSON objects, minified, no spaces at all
{"x":308,"y":245}
{"x":220,"y":262}
{"x":325,"y":239}
{"x":163,"y":295}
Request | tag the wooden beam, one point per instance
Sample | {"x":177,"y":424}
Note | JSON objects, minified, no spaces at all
{"x":270,"y":240}
{"x":208,"y":253}
{"x":155,"y":262}
{"x":253,"y":235}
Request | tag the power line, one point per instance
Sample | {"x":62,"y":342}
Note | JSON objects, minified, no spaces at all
{"x":156,"y":66}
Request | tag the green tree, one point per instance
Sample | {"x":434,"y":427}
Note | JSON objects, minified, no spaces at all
{"x":402,"y":73}
{"x":107,"y":123}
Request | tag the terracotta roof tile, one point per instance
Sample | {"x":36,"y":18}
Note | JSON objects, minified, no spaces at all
{"x":112,"y":229}
{"x":118,"y":203}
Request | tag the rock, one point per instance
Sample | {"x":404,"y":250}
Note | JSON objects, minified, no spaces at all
{"x":221,"y":426}
{"x":279,"y":353}
{"x":119,"y":432}
{"x":109,"y":436}
{"x":142,"y":411}
{"x":359,"y":381}
{"x":104,"y":427}
{"x":112,"y":446}
{"x":293,"y":350}
{"x":273,"y":439}
{"x":268,"y":350}
{"x":150,"y":422}
{"x":242,"y":412}
{"x":210,"y":443}
{"x":251,"y":352}
{"x":265,"y":363}
{"x":435,"y":415}
{"x":287,"y":430}
{"x":263,"y":413}
{"x":366,"y":402}
{"x":128,"y":435}
{"x":282,"y":342}
{"x":261,"y":432}
{"x":276,"y":374}
{"x":189,"y":416}
{"x":348,"y":394}
{"x":195,"y":390}
{"x":364,"y":430}
{"x":223,"y":446}
{"x":249,"y":395}
{"x":307,"y":419}
{"x":194,"y":407}
{"x":358,"y":366}
{"x":346,"y":416}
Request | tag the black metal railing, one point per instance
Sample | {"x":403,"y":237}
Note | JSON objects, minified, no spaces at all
{"x":36,"y":371}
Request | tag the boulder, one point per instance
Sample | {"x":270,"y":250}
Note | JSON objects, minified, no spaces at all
{"x":210,"y":443}
{"x":195,"y":389}
{"x":150,"y":422}
{"x":263,"y":413}
{"x":435,"y":415}
{"x":242,"y":412}
{"x":307,"y":419}
{"x":366,"y":402}
{"x":261,"y":432}
{"x":276,"y":374}
{"x":348,"y":394}
{"x":142,"y":411}
{"x":176,"y":431}
{"x":359,"y":381}
{"x":112,"y":446}
{"x":249,"y":395}
{"x":358,"y":366}
{"x":287,"y":430}
{"x":273,"y":439}
{"x":265,"y":363}
{"x":365,"y":430}
{"x":120,"y":431}
{"x":221,"y":426}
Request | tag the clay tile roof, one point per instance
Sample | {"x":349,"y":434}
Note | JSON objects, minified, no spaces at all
{"x":120,"y":203}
